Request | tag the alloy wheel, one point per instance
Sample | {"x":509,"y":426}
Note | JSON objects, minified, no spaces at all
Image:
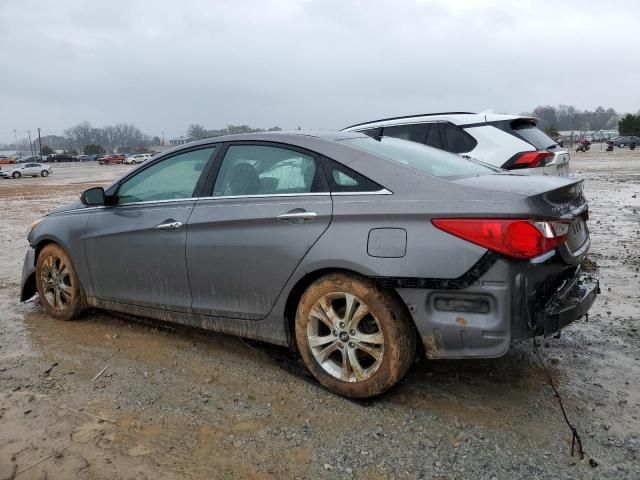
{"x":56,"y":283}
{"x":345,"y":337}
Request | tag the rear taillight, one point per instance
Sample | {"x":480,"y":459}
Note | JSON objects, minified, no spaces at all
{"x":528,"y":160}
{"x":516,"y":238}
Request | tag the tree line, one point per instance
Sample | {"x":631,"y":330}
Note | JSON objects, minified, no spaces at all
{"x":198,"y":132}
{"x":126,"y":137}
{"x":121,"y":137}
{"x":568,"y":117}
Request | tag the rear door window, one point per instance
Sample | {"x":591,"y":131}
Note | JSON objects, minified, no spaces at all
{"x":416,"y":132}
{"x":456,"y":139}
{"x":433,"y":138}
{"x":266,"y":170}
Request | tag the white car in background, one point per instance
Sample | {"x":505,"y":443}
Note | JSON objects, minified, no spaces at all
{"x":26,"y":170}
{"x":512,"y":142}
{"x":137,"y":158}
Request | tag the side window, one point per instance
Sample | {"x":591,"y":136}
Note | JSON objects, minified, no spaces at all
{"x":372,"y":132}
{"x":456,"y":139}
{"x":173,"y":178}
{"x":343,"y":179}
{"x":266,"y":170}
{"x":416,"y":132}
{"x":433,"y":139}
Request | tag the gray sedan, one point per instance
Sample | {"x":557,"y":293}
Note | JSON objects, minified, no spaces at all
{"x":351,"y":249}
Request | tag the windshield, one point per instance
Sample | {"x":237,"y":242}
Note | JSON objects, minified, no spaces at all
{"x":426,"y":159}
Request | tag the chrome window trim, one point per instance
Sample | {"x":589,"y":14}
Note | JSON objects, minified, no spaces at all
{"x":383,"y":191}
{"x":268,"y":195}
{"x":148,"y":202}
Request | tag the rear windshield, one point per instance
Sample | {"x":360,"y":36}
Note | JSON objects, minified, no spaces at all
{"x":426,"y":159}
{"x":533,"y":135}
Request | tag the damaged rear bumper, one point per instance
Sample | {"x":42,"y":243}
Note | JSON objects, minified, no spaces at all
{"x":511,"y":301}
{"x":571,"y":302}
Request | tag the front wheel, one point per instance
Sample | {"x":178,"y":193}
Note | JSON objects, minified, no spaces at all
{"x":58,"y":284}
{"x":353,"y":336}
{"x":44,"y":173}
{"x":16,"y":175}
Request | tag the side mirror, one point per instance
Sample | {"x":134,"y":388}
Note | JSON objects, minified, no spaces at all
{"x":93,"y":197}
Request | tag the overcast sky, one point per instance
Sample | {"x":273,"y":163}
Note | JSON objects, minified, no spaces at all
{"x":165,"y":64}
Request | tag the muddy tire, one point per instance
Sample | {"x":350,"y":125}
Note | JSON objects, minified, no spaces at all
{"x":44,"y":173}
{"x":16,"y":175}
{"x":353,"y":336}
{"x":58,"y":284}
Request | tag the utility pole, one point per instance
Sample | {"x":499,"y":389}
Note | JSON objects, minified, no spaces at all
{"x":39,"y":144}
{"x":15,"y":134}
{"x":30,"y":143}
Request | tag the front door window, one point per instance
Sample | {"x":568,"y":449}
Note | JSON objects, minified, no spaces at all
{"x":171,"y":179}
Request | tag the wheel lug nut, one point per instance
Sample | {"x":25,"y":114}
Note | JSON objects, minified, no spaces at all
{"x":351,"y":344}
{"x":335,"y":333}
{"x":352,"y":332}
{"x":341,"y":324}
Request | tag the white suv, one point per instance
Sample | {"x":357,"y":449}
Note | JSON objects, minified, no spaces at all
{"x":137,"y":158}
{"x":512,"y":142}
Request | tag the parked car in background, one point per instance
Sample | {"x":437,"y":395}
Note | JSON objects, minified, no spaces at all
{"x":351,"y":248}
{"x":29,"y":159}
{"x":111,"y":159}
{"x":137,"y":158}
{"x":7,"y":160}
{"x":81,"y":158}
{"x":626,"y":141}
{"x":26,"y":170}
{"x":61,"y":157}
{"x":512,"y":142}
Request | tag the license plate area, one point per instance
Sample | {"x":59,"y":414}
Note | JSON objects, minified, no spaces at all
{"x":578,"y":233}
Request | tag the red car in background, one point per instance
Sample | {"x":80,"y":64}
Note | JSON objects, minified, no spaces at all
{"x":110,"y":159}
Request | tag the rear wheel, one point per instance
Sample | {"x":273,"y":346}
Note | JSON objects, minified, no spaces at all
{"x":44,"y":173}
{"x":16,"y":175}
{"x":353,"y":336}
{"x":58,"y":284}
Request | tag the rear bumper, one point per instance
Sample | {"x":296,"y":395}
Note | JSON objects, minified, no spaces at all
{"x":511,"y":301}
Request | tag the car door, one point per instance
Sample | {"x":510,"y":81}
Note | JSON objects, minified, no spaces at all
{"x":269,"y":204}
{"x":136,"y":247}
{"x":30,"y":169}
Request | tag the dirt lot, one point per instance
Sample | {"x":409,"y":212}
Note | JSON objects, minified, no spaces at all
{"x":182,"y":403}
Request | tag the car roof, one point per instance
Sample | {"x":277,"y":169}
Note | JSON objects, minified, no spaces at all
{"x":293,"y":137}
{"x":457,"y":118}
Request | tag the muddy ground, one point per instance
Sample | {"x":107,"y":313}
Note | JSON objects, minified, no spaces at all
{"x":182,"y":403}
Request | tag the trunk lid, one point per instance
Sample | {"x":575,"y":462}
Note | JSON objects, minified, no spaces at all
{"x":551,"y":198}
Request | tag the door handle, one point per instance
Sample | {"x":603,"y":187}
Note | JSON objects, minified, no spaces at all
{"x":169,"y":226}
{"x":297,"y":217}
